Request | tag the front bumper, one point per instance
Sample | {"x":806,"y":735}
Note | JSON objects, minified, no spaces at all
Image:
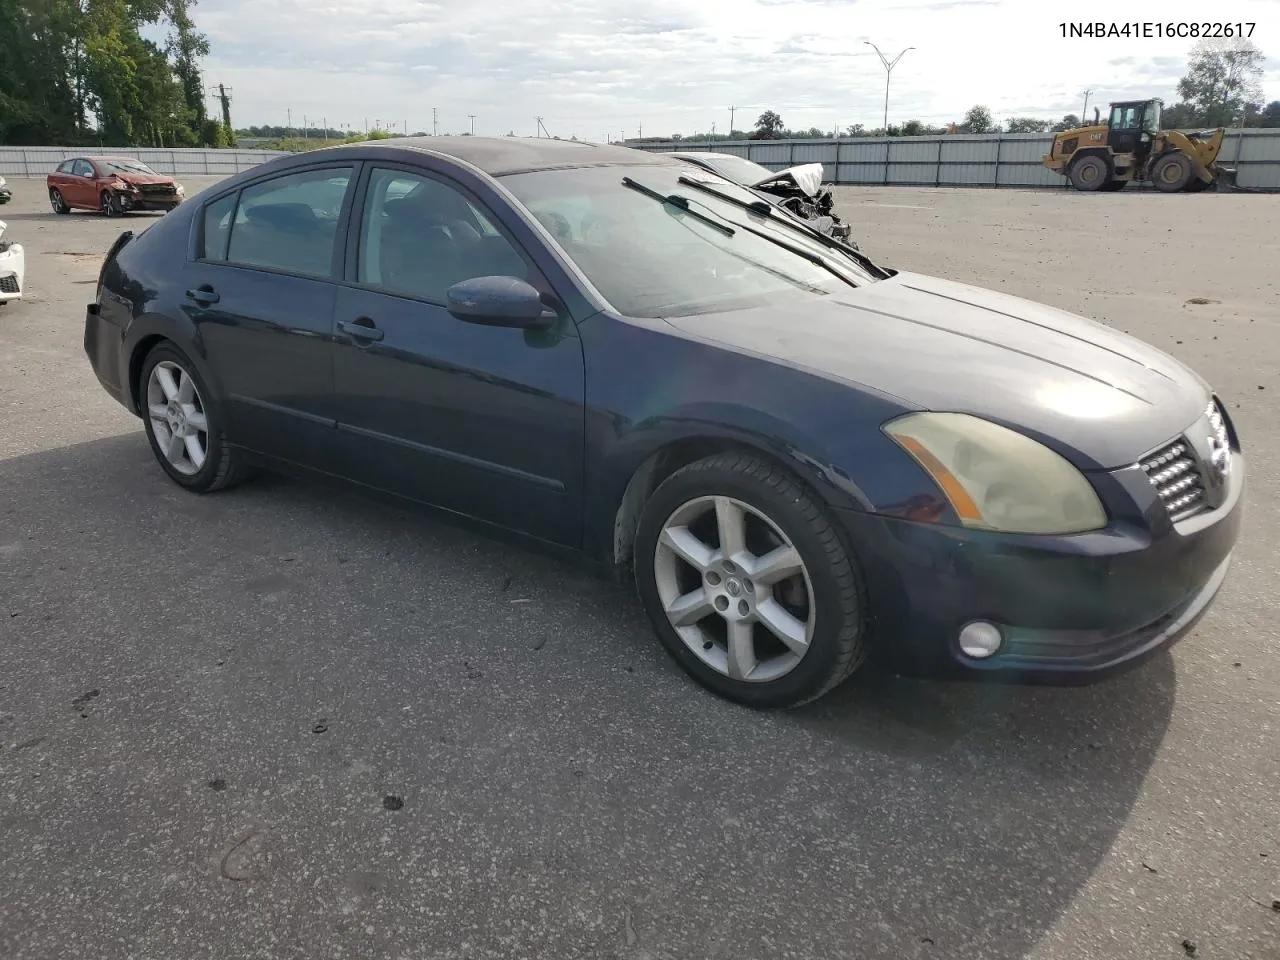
{"x":12,"y":272}
{"x":1070,"y":608}
{"x":132,"y":202}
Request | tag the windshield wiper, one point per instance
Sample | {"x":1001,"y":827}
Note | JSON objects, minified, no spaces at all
{"x":681,"y":203}
{"x":765,"y":208}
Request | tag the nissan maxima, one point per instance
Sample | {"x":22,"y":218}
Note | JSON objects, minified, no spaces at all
{"x":803,"y":458}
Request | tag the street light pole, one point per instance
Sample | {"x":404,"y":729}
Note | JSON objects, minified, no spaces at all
{"x":888,"y":69}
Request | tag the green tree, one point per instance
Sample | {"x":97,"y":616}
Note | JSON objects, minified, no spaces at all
{"x":1223,"y":77}
{"x":1270,"y":115}
{"x":978,"y":120}
{"x":1026,"y":125}
{"x":768,"y":126}
{"x":1069,"y":122}
{"x":187,"y":46}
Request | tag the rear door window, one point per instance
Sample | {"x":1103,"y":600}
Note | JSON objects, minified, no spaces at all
{"x":289,"y":223}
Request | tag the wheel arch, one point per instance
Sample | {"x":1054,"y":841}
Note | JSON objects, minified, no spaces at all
{"x":646,"y":471}
{"x":1102,"y":153}
{"x":145,"y":334}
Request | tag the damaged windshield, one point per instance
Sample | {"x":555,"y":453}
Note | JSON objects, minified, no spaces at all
{"x":654,"y":251}
{"x":126,"y":166}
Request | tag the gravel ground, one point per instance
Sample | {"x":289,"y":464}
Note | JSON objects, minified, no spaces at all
{"x":288,"y":722}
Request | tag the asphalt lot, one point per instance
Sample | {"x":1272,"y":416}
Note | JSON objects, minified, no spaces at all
{"x":207,"y":705}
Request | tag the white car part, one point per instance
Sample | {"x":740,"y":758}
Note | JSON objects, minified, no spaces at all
{"x":13,"y":264}
{"x":806,"y":176}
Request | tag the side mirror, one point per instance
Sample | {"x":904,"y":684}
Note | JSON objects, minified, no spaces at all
{"x":499,"y":302}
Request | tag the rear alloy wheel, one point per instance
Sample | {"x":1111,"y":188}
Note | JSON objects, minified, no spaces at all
{"x":1090,"y":173}
{"x":59,"y":205}
{"x":748,"y":583}
{"x":1172,"y":172}
{"x":184,"y":424}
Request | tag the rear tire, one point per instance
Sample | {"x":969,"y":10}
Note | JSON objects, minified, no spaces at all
{"x":1172,"y":172}
{"x":767,"y":635}
{"x":185,"y":423}
{"x":1090,"y":173}
{"x":58,"y":203}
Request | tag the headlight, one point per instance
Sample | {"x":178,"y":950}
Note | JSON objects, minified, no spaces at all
{"x":1,"y":181}
{"x":177,"y":188}
{"x":997,"y":479}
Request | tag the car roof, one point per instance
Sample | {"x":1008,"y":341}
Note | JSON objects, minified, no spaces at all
{"x":111,"y":157}
{"x":504,"y":156}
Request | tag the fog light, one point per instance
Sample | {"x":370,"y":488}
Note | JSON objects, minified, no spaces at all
{"x":980,"y":639}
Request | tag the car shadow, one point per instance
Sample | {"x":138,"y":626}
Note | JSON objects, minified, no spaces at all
{"x":529,"y":702}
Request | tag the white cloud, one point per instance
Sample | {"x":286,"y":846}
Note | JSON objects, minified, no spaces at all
{"x":593,"y":68}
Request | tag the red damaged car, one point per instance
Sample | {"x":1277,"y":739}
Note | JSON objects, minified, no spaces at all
{"x":113,"y":185}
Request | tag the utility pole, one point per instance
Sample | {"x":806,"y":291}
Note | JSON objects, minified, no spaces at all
{"x":472,"y":118}
{"x":306,"y":130}
{"x":732,"y":110}
{"x":641,"y":129}
{"x":713,"y":128}
{"x":542,"y":129}
{"x":224,"y":96}
{"x":325,"y":121}
{"x":888,"y":69}
{"x":288,"y":131}
{"x":1085,"y":110}
{"x":435,"y":122}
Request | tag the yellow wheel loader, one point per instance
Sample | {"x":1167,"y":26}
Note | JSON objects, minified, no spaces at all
{"x":1131,"y":146}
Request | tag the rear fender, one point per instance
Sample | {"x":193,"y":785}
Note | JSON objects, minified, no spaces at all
{"x":147,"y":330}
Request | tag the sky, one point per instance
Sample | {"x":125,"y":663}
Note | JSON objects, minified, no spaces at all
{"x":600,"y":69}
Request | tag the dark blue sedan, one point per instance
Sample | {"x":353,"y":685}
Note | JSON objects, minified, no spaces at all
{"x":803,"y":458}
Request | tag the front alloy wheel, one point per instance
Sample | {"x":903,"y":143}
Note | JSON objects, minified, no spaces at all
{"x":748,"y":582}
{"x":735,"y":589}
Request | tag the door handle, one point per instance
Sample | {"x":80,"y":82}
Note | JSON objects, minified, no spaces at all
{"x":361,"y":328}
{"x":203,"y":295}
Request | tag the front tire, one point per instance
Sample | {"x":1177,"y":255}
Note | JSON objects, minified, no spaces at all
{"x":1172,"y":172}
{"x":111,"y":206}
{"x":748,"y":584}
{"x":185,"y":424}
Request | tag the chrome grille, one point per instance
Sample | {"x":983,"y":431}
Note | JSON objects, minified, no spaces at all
{"x":158,"y":189}
{"x":1174,"y":473}
{"x":9,"y":285}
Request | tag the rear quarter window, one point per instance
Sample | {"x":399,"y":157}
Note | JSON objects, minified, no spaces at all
{"x":215,"y":229}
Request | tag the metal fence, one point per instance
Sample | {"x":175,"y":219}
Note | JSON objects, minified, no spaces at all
{"x":38,"y":161}
{"x":963,"y":160}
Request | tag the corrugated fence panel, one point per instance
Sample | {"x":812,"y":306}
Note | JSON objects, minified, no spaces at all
{"x":1008,"y":160}
{"x":771,"y":153}
{"x":824,"y":153}
{"x":855,"y":173}
{"x":862,"y":151}
{"x":39,"y":161}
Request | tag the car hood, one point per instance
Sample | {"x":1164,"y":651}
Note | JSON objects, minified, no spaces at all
{"x":1101,"y":398}
{"x":806,"y":176}
{"x":142,"y":179}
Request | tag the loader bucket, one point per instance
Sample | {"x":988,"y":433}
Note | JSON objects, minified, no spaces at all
{"x":1224,"y":178}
